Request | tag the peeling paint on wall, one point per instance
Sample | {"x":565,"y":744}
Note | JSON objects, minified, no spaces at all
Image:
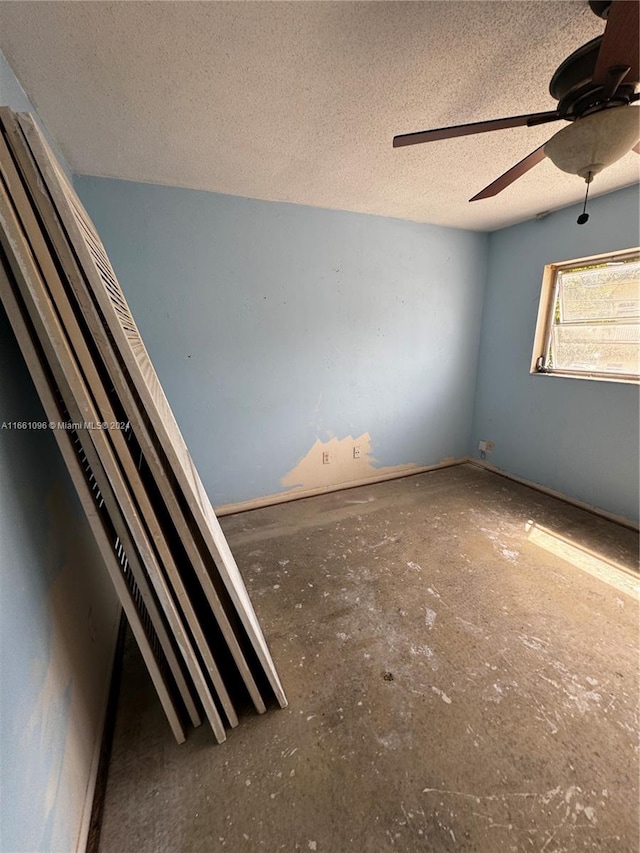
{"x":282,"y":346}
{"x":312,"y":472}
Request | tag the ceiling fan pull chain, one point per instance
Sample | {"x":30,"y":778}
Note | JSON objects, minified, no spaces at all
{"x":584,"y":216}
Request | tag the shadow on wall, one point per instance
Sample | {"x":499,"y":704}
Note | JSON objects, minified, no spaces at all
{"x":58,"y":617}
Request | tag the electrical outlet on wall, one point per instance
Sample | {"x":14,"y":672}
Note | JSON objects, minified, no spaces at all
{"x":356,"y":452}
{"x":326,"y":458}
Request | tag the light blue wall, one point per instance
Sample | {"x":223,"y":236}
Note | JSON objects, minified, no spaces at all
{"x":58,"y":616}
{"x":272,"y":325}
{"x":573,"y":435}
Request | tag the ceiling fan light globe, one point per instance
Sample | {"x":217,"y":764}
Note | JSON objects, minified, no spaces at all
{"x":594,"y":142}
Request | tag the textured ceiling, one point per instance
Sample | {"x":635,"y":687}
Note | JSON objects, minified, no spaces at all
{"x":299,"y":101}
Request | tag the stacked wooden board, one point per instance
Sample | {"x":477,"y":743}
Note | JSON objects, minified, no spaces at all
{"x":166,"y":554}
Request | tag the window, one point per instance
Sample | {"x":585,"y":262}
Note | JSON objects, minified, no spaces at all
{"x":589,"y":319}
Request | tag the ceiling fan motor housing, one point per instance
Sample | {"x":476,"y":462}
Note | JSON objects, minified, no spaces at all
{"x":600,"y":8}
{"x":573,"y":87}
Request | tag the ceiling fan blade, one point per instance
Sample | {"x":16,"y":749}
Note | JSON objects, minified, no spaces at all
{"x":620,"y":42}
{"x":477,"y":127}
{"x":512,"y":174}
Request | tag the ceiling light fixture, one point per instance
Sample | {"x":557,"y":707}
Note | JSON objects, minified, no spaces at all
{"x":590,"y":144}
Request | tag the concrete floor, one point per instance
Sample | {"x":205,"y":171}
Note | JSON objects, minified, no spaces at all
{"x":460,"y":656}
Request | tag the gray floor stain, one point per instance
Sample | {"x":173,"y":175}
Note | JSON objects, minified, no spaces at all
{"x":456,"y":683}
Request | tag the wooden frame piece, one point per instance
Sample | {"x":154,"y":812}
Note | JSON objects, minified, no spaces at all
{"x":109,"y":549}
{"x":73,"y":274}
{"x":96,"y":445}
{"x":109,"y":299}
{"x":79,"y":349}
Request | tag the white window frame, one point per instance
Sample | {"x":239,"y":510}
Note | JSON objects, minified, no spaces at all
{"x":546,"y":311}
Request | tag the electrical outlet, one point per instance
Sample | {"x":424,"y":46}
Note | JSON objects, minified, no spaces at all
{"x":482,"y":447}
{"x":490,"y":446}
{"x":356,"y":452}
{"x":326,"y":458}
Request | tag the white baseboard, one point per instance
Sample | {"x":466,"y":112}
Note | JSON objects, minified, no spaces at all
{"x":619,"y":519}
{"x":296,"y":495}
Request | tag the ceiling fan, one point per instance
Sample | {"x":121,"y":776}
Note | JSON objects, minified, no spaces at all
{"x":594,"y":87}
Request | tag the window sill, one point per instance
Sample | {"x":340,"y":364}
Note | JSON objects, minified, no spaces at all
{"x":619,"y":380}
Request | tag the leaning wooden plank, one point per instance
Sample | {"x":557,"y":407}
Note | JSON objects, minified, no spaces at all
{"x":113,"y":306}
{"x":94,"y":441}
{"x":94,"y":512}
{"x":73,"y":275}
{"x":137,"y":583}
{"x":147,"y":596}
{"x":121,"y":446}
{"x":24,"y":272}
{"x":131,"y":565}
